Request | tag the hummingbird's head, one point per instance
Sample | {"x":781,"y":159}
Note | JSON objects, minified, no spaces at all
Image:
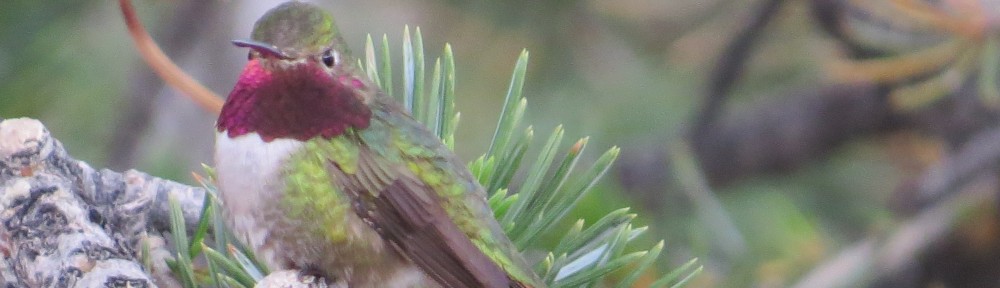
{"x":299,"y":81}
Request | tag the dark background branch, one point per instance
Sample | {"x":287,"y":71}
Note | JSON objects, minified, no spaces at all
{"x":731,"y":65}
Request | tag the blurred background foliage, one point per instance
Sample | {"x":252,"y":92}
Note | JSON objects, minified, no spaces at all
{"x":777,"y":141}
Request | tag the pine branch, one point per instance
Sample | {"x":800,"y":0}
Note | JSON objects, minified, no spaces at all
{"x":580,"y":259}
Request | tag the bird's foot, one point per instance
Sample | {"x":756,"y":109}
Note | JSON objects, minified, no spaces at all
{"x":306,"y":278}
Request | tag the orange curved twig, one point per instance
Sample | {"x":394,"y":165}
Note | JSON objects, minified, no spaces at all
{"x":164,"y":67}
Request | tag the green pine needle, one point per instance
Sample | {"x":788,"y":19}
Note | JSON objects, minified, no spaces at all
{"x":432,"y":100}
{"x":231,"y":267}
{"x":509,"y":162}
{"x":413,"y":76}
{"x":684,"y":270}
{"x":508,"y":121}
{"x":194,"y":245}
{"x":371,"y":66}
{"x":534,"y":181}
{"x":181,"y":264}
{"x":385,"y":67}
{"x":643,"y":264}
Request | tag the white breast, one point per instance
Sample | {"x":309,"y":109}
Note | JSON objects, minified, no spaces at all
{"x":250,"y":185}
{"x":248,"y":171}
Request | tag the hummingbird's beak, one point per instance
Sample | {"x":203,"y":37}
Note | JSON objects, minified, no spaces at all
{"x":267,"y":50}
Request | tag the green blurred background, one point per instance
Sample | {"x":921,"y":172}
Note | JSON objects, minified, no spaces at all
{"x":631,"y":73}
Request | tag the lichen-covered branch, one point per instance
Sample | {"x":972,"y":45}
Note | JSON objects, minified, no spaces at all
{"x":940,"y":207}
{"x":65,"y":224}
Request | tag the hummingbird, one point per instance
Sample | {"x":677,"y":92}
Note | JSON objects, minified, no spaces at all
{"x":321,"y":171}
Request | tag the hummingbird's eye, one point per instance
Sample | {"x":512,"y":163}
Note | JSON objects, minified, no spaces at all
{"x":328,"y":58}
{"x":250,"y":55}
